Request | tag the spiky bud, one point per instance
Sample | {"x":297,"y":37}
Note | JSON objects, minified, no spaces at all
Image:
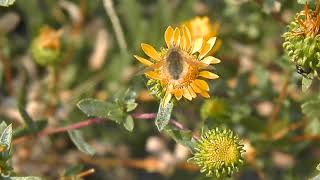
{"x":302,"y":42}
{"x":46,"y":48}
{"x":218,"y":153}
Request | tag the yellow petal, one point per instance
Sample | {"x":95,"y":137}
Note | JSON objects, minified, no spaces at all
{"x":195,"y":88}
{"x":215,"y":28}
{"x":210,"y":60}
{"x":193,"y":94}
{"x":176,"y":38}
{"x":143,"y":60}
{"x":187,"y":94}
{"x":205,"y":94}
{"x":197,"y":45}
{"x":187,"y":35}
{"x":208,"y":74}
{"x":153,"y":75}
{"x":182,"y":43}
{"x":166,"y":99}
{"x":202,"y":84}
{"x":168,"y":36}
{"x":207,"y":47}
{"x":216,"y":47}
{"x":150,"y":51}
{"x":178,"y":94}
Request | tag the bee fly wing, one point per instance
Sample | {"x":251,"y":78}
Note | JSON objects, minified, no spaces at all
{"x":149,"y":68}
{"x":142,"y":71}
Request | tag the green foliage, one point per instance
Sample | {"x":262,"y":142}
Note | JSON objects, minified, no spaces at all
{"x":163,"y":116}
{"x":116,"y":110}
{"x":6,"y":2}
{"x":251,"y":97}
{"x":73,"y":170}
{"x":5,"y":149}
{"x":307,"y":1}
{"x":311,"y":108}
{"x":77,"y":139}
{"x":26,"y":117}
{"x":306,"y":83}
{"x":183,"y":137}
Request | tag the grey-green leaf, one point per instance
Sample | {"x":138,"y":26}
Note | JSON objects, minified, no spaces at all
{"x":6,"y":2}
{"x":6,"y":136}
{"x":183,"y":137}
{"x":3,"y":126}
{"x":163,"y":116}
{"x":78,"y":140}
{"x":129,"y":124}
{"x":306,"y":83}
{"x":26,"y":178}
{"x":305,"y":1}
{"x":131,"y":106}
{"x":27,"y":119}
{"x":311,"y":108}
{"x":93,"y":107}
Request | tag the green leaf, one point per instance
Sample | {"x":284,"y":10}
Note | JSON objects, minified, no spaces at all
{"x":93,"y":107}
{"x":306,"y":1}
{"x":27,"y":119}
{"x":163,"y":116}
{"x":6,"y":2}
{"x":313,"y":127}
{"x":39,"y":125}
{"x":130,"y":106}
{"x":306,"y":83}
{"x":6,"y":136}
{"x":316,"y":177}
{"x":3,"y":126}
{"x":183,"y":137}
{"x":26,"y":178}
{"x":73,"y":170}
{"x":78,"y":140}
{"x":129,"y":124}
{"x":311,"y":108}
{"x":117,"y":115}
{"x":318,"y":167}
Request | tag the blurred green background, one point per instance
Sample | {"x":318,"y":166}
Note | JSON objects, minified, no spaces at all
{"x":258,"y":94}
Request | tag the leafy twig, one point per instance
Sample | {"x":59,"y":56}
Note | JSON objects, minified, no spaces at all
{"x":92,"y":121}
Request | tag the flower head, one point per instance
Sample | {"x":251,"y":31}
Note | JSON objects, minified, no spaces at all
{"x":302,"y":41}
{"x":177,"y":70}
{"x":203,"y":27}
{"x":46,"y":47}
{"x":218,"y":152}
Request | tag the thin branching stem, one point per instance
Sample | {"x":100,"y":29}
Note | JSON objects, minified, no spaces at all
{"x":109,"y":7}
{"x":92,"y":121}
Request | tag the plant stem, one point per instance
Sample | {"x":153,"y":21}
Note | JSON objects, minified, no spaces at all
{"x":108,"y":5}
{"x":92,"y":121}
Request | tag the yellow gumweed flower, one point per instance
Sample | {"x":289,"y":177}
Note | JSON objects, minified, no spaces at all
{"x":180,"y":67}
{"x":203,"y":27}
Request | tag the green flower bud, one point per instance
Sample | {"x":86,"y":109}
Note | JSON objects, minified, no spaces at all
{"x":46,"y":48}
{"x":302,"y":42}
{"x":218,"y":153}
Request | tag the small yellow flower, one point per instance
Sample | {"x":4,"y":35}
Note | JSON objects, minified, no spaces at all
{"x":179,"y":67}
{"x":218,"y":152}
{"x":203,"y":27}
{"x":46,"y":47}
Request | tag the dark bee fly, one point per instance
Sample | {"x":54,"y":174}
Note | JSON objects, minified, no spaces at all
{"x":303,"y":72}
